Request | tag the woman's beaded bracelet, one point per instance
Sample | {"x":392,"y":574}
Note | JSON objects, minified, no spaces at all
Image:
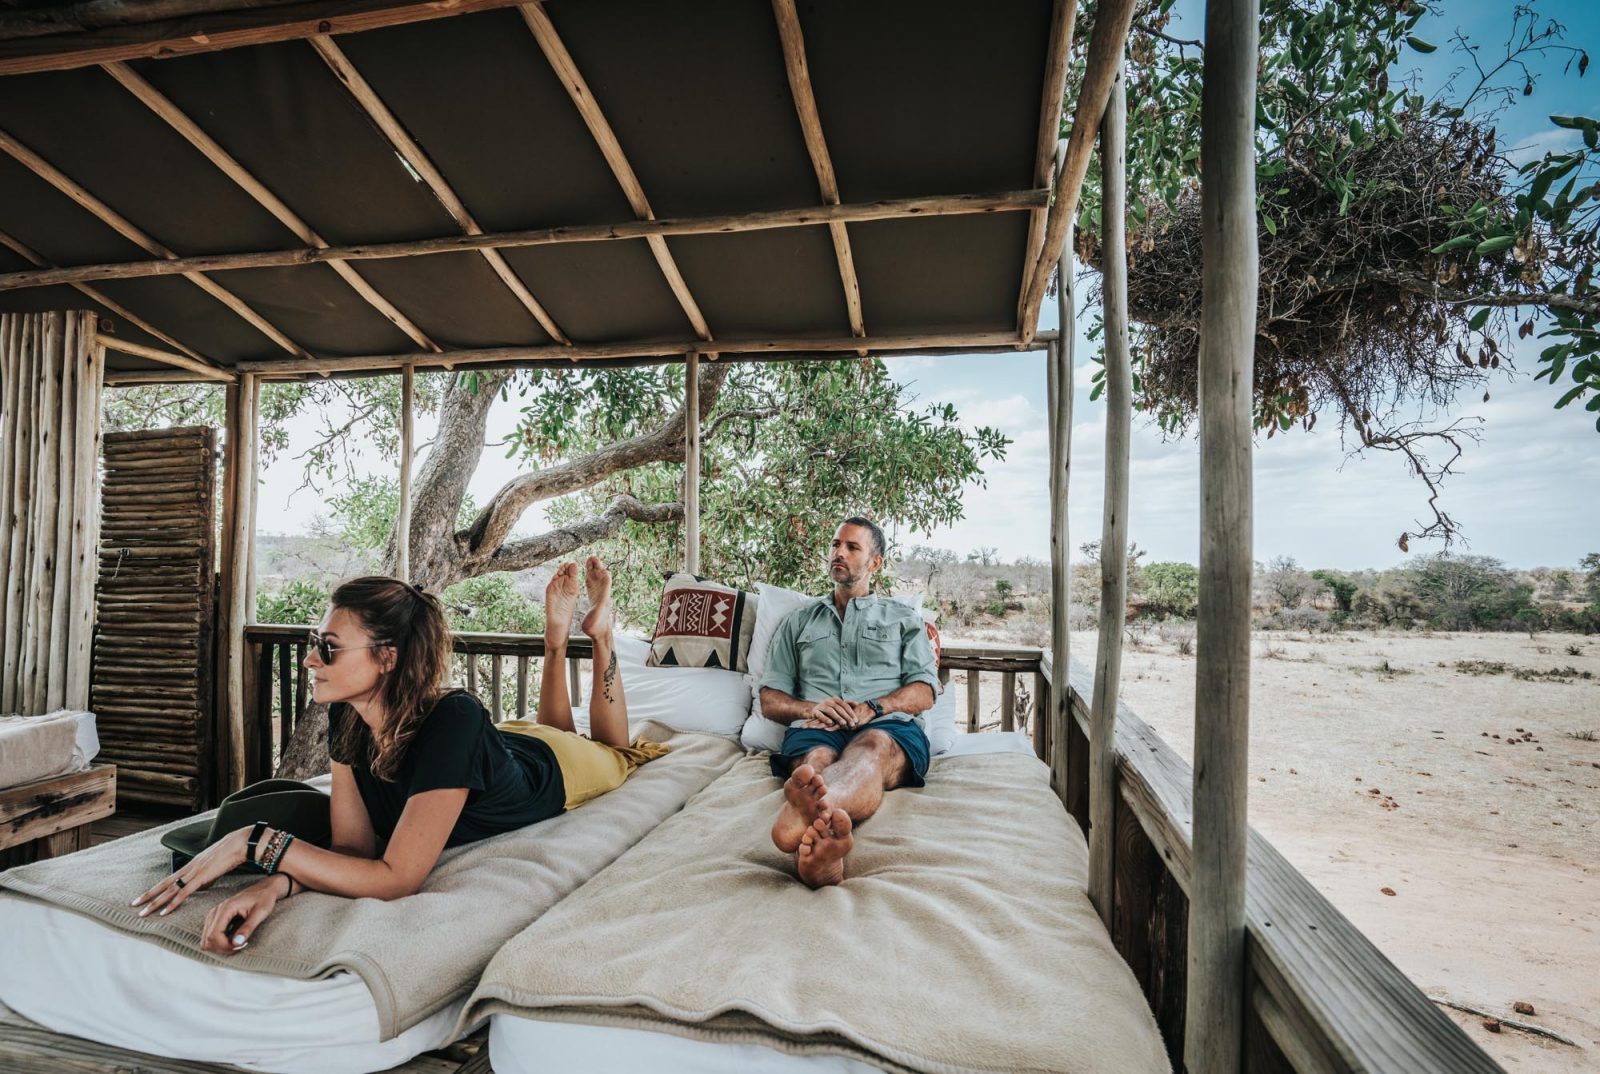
{"x":278,"y":851}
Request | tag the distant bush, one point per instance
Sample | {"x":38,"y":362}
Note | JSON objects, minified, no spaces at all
{"x":1171,"y":589}
{"x":299,"y":602}
{"x":491,"y":602}
{"x":1310,"y":620}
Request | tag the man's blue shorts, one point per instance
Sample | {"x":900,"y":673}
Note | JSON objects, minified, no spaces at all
{"x":907,"y":734}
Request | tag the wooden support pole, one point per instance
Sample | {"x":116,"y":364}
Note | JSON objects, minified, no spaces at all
{"x":1050,"y":108}
{"x":1112,"y":19}
{"x":402,"y":526}
{"x":238,"y":566}
{"x":1114,"y":525}
{"x":974,"y":697}
{"x":1059,"y":394}
{"x":1008,"y":701}
{"x":691,"y":466}
{"x":1230,"y":277}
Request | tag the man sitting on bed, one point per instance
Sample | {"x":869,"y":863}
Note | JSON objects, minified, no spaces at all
{"x":850,"y":675}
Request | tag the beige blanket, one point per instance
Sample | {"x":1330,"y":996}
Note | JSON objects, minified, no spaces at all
{"x":418,"y":953}
{"x":961,"y":941}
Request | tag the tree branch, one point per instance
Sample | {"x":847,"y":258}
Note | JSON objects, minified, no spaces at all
{"x":488,"y":531}
{"x":1439,"y":293}
{"x":1146,"y":28}
{"x":520,"y":555}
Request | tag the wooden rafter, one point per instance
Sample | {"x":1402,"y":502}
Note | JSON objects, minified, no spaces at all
{"x":805,"y":106}
{"x":109,"y":30}
{"x":944,"y":205}
{"x":110,"y":217}
{"x":656,"y":349}
{"x":1051,"y":106}
{"x":175,"y":118}
{"x":1111,"y":21}
{"x":412,"y":154}
{"x":566,"y":69}
{"x":139,"y":350}
{"x":22,"y":250}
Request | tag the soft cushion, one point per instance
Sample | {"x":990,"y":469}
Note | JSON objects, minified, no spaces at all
{"x":708,"y":700}
{"x":703,"y":625}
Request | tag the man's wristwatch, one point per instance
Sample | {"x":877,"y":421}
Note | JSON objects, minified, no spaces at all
{"x":875,"y":705}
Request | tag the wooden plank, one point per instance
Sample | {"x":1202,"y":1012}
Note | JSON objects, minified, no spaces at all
{"x":285,"y":701}
{"x":1112,"y":19}
{"x":691,"y":465}
{"x":420,"y":163}
{"x":1036,"y":717}
{"x":522,"y":688}
{"x":120,"y":224}
{"x":402,"y":525}
{"x":1222,"y":626}
{"x":180,"y":361}
{"x":973,"y":699}
{"x":496,"y":692}
{"x":1008,"y":701}
{"x":805,"y":105}
{"x":45,"y":807}
{"x":566,"y":69}
{"x":575,"y":678}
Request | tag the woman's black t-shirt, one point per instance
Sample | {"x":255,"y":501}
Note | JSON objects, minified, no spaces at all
{"x":512,"y":780}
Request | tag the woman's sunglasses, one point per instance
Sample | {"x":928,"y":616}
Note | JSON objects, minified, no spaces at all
{"x":326,"y":649}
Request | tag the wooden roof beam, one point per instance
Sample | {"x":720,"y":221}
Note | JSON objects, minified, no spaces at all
{"x":555,"y":50}
{"x":103,"y":31}
{"x":805,"y":106}
{"x":139,"y":350}
{"x":662,"y":350}
{"x":175,"y":118}
{"x":18,"y":247}
{"x":943,"y":205}
{"x":1112,"y":19}
{"x":412,"y":154}
{"x":1051,"y":106}
{"x":110,"y":217}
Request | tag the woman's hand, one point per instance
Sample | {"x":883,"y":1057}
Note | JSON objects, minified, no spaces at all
{"x":218,"y":859}
{"x":232,"y":922}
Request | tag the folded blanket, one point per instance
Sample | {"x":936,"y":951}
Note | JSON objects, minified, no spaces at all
{"x":418,"y":953}
{"x":39,"y":747}
{"x":962,"y":940}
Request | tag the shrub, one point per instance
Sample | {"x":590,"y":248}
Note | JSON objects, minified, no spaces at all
{"x":1172,"y":589}
{"x":300,"y":602}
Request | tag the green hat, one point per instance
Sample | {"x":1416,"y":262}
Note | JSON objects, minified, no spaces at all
{"x":296,"y":807}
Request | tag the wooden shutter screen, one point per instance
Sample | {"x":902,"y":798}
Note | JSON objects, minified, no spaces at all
{"x":151,"y":687}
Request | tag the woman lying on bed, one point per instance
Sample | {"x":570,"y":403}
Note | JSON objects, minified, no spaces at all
{"x":418,"y":767}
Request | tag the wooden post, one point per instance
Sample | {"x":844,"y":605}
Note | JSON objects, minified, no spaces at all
{"x":1008,"y":701}
{"x":1114,"y":528}
{"x":1216,"y":990}
{"x":1059,"y":394}
{"x":402,"y":526}
{"x":238,"y":566}
{"x":691,"y":466}
{"x":973,"y":697}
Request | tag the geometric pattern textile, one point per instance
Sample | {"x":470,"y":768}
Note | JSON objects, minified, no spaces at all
{"x":703,"y":625}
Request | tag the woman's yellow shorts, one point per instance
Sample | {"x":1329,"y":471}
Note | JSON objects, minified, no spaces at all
{"x":588,"y":768}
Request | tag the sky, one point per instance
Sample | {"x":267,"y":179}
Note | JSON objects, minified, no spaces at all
{"x":1526,"y":494}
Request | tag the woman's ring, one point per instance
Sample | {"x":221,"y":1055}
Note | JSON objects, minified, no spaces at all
{"x":180,"y":882}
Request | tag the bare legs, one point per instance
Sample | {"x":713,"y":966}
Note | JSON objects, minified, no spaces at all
{"x":819,"y":815}
{"x":608,"y":714}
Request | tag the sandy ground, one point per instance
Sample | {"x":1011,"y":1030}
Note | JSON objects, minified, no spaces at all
{"x":1376,"y":763}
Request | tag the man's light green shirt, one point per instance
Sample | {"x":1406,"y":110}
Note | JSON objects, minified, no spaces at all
{"x":879,"y":646}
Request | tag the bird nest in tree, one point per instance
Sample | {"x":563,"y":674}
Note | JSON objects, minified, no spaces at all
{"x":1349,"y":319}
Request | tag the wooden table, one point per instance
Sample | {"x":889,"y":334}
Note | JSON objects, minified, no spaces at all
{"x":52,"y":816}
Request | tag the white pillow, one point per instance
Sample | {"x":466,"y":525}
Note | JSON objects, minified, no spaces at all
{"x":709,"y":700}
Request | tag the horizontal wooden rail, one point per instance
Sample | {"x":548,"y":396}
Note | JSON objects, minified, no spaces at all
{"x":1327,"y":996}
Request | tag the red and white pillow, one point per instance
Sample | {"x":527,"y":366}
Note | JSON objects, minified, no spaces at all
{"x":703,"y":625}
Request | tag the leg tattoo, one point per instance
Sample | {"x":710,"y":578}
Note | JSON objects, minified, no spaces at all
{"x":611,"y":676}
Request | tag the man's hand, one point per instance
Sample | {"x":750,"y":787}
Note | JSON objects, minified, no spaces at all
{"x":837,"y":714}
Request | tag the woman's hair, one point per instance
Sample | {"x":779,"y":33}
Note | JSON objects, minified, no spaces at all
{"x":400,"y":615}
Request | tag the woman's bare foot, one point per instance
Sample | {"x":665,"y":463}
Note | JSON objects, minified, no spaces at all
{"x":597,"y":624}
{"x":806,"y":799}
{"x":820,"y":859}
{"x":560,"y":604}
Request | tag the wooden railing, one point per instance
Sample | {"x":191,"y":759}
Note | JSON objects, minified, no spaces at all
{"x":502,"y":670}
{"x":1322,"y":998}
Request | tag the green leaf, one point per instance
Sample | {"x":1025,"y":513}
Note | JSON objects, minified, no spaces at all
{"x":1270,"y":224}
{"x":1419,"y":44}
{"x":1479,"y":319}
{"x":1457,"y":243}
{"x":1494,"y":245}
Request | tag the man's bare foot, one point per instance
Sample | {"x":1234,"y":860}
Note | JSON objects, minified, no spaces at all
{"x":597,"y":624}
{"x":560,"y":604}
{"x":806,"y":800}
{"x":820,"y":859}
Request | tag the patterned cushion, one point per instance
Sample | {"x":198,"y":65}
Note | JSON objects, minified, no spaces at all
{"x":703,"y":625}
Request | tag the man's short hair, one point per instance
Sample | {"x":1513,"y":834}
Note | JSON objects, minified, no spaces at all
{"x":879,"y":546}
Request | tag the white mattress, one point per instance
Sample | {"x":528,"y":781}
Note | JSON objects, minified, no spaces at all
{"x":24,"y":758}
{"x":72,"y":974}
{"x":525,"y":1046}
